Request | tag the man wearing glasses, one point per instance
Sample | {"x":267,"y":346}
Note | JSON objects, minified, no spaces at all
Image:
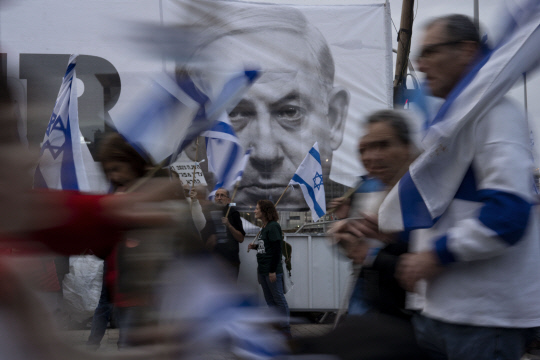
{"x":480,"y":257}
{"x":224,"y":231}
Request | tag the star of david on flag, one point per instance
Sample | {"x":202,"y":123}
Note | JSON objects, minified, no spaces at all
{"x":317,"y":181}
{"x":309,"y":177}
{"x":65,"y":163}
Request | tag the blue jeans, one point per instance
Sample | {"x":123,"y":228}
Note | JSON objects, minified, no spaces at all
{"x":274,"y":296}
{"x":445,"y":341}
{"x":357,"y":304}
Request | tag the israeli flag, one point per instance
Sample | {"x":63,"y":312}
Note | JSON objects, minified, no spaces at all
{"x":65,"y":162}
{"x":309,"y":177}
{"x":426,"y":190}
{"x":226,"y":157}
{"x":242,"y":166}
{"x":171,"y":114}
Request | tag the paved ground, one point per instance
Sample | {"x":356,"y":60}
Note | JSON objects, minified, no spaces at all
{"x":78,"y":339}
{"x":108,"y":344}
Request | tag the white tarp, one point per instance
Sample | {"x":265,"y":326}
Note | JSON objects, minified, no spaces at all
{"x":82,"y":287}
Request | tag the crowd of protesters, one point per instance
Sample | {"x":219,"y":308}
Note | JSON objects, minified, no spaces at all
{"x":451,"y":289}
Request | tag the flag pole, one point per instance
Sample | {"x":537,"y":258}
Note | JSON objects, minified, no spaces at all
{"x":254,"y":239}
{"x":287,"y":188}
{"x":233,"y":195}
{"x":147,"y":176}
{"x":194,"y":169}
{"x":277,"y":202}
{"x":196,"y":160}
{"x":345,"y":196}
{"x":155,"y":169}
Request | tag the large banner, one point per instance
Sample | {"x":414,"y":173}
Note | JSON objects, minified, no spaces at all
{"x":323,"y":69}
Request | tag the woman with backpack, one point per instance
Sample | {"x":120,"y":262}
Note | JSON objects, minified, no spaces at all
{"x":269,"y":268}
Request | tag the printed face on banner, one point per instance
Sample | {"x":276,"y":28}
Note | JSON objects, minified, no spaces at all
{"x":292,"y":105}
{"x":287,"y":109}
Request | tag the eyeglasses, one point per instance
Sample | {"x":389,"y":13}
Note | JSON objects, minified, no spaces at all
{"x":432,"y":49}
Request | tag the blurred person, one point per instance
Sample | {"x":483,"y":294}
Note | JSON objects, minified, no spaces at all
{"x":385,"y":150}
{"x":121,"y":163}
{"x":378,"y":325}
{"x":192,"y":197}
{"x":269,"y":267}
{"x":293,"y":104}
{"x":122,"y":166}
{"x":219,"y":314}
{"x":48,"y":221}
{"x":223,"y":234}
{"x":481,"y":266}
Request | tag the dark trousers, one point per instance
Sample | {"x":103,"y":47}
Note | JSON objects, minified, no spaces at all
{"x":274,"y":296}
{"x":102,"y":316}
{"x":445,"y":341}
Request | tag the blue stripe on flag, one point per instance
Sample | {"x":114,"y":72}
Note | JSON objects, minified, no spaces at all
{"x":189,"y":87}
{"x":69,"y":69}
{"x":315,"y":154}
{"x":228,"y":167}
{"x":224,"y":128}
{"x":413,"y":209}
{"x":201,"y":123}
{"x":244,"y":160}
{"x":68,"y":174}
{"x":231,"y":90}
{"x":311,"y":193}
{"x":251,"y":75}
{"x":39,"y":180}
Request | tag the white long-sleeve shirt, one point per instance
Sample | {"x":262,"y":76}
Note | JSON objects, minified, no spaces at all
{"x":489,"y":236}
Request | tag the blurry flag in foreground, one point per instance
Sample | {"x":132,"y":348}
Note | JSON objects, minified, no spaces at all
{"x":65,"y":161}
{"x":309,"y":177}
{"x":226,"y":157}
{"x":173,"y":113}
{"x":426,"y":190}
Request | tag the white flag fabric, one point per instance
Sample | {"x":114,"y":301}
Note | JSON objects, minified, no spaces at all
{"x":161,"y":117}
{"x":226,"y":157}
{"x":242,"y":166}
{"x":171,"y":114}
{"x":65,"y":162}
{"x":426,"y":190}
{"x":309,"y":177}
